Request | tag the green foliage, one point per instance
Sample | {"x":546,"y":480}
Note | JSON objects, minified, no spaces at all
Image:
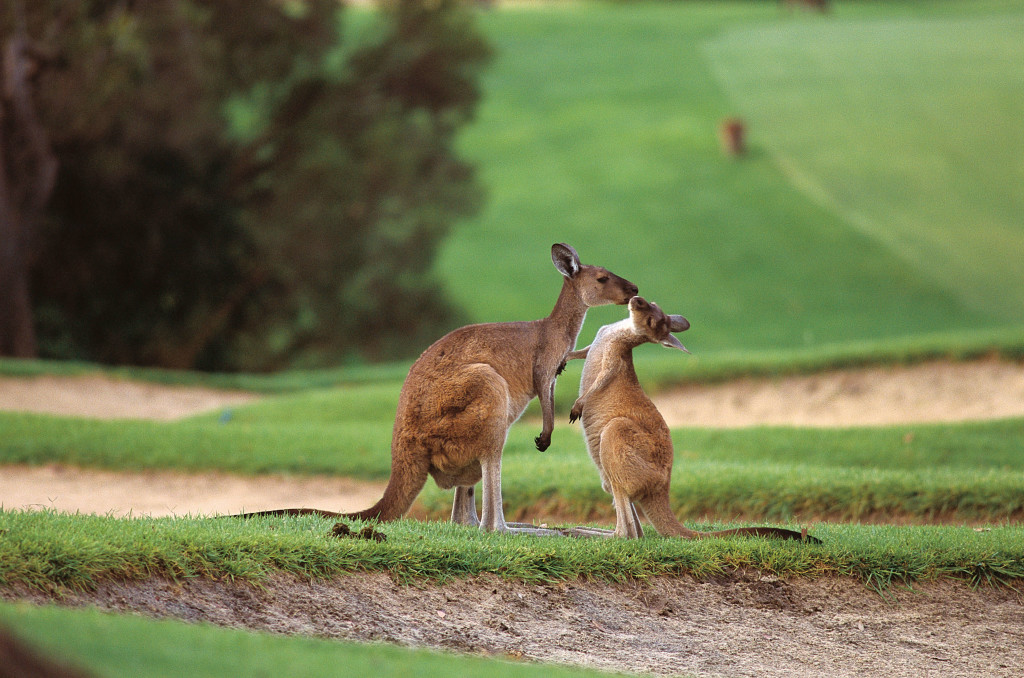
{"x":184,"y":234}
{"x":355,"y":216}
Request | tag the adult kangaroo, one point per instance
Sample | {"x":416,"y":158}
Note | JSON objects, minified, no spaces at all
{"x":465,"y":391}
{"x":625,"y":433}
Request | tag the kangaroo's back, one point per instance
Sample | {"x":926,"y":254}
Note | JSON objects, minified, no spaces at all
{"x":508,"y":348}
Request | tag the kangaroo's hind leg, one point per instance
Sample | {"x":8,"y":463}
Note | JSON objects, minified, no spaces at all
{"x":464,"y":506}
{"x":474,"y":424}
{"x":637,"y":527}
{"x":624,"y":470}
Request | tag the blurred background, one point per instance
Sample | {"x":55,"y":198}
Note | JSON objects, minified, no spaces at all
{"x":256,"y":186}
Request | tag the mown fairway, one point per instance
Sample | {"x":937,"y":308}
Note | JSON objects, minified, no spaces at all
{"x":909,"y":129}
{"x":880,"y":199}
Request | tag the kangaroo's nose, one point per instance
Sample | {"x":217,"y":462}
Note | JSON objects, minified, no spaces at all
{"x":632,"y":289}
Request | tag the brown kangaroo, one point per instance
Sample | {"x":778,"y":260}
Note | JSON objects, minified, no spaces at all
{"x":626,"y":436}
{"x":465,"y":391}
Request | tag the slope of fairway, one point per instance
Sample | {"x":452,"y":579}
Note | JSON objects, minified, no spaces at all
{"x":598,"y":128}
{"x":911,"y":129}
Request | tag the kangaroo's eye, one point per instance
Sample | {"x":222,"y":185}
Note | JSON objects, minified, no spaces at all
{"x":603,"y":279}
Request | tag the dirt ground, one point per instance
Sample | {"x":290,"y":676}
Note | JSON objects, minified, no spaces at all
{"x":742,"y":625}
{"x":157,"y":494}
{"x":872,"y":396}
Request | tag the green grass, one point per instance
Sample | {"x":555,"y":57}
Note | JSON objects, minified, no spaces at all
{"x":116,"y":646}
{"x":45,"y":549}
{"x":943,"y":472}
{"x":928,"y":160}
{"x":598,"y":128}
{"x":910,"y":473}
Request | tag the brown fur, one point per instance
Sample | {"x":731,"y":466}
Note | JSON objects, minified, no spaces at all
{"x":465,"y":391}
{"x":626,"y":435}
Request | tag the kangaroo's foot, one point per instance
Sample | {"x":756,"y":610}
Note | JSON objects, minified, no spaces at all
{"x":527,"y":525}
{"x":587,"y":532}
{"x":533,"y":531}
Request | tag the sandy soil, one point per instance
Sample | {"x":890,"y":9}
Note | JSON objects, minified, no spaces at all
{"x":928,"y":392}
{"x":100,"y":397}
{"x":162,"y":493}
{"x":874,"y":396}
{"x":742,"y":625}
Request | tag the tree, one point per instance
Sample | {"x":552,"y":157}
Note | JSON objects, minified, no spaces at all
{"x":178,"y":236}
{"x":28,"y":170}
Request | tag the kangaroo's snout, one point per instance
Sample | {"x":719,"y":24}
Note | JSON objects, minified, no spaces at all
{"x":627,"y":289}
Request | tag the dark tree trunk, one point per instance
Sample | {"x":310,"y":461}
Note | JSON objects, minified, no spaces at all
{"x":17,"y":325}
{"x":28,"y":170}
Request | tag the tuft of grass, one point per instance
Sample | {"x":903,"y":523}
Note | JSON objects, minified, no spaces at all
{"x":45,"y":550}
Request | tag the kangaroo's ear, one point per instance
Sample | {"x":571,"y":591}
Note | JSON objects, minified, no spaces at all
{"x":671,"y":342}
{"x":566,"y":260}
{"x":678,"y":323}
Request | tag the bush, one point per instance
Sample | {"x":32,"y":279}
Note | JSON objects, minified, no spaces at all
{"x":182,"y":236}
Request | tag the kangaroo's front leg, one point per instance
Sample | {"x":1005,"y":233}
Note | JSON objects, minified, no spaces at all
{"x":546,"y":395}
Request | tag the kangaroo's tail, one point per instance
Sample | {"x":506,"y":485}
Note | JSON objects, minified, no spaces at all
{"x":408,"y":476}
{"x":658,"y":511}
{"x":770,"y":532}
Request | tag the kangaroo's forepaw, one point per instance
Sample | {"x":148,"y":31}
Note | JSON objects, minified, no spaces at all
{"x":543,"y":441}
{"x":575,"y":413}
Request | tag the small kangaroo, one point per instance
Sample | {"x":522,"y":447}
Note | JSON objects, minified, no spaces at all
{"x":625,"y":433}
{"x":465,"y":391}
